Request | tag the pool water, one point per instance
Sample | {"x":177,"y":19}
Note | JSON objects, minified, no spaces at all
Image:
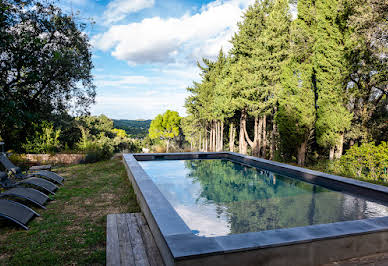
{"x":221,"y":197}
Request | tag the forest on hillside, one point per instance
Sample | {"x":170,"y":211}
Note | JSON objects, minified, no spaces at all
{"x":134,"y":128}
{"x":299,"y":89}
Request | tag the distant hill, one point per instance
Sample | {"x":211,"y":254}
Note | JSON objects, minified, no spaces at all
{"x":135,"y":128}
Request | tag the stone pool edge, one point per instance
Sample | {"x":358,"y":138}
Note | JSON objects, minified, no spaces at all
{"x":309,"y":245}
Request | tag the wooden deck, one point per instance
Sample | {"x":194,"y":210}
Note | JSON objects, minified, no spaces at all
{"x":130,"y":242}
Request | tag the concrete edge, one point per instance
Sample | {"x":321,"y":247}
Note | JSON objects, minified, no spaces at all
{"x":180,"y":244}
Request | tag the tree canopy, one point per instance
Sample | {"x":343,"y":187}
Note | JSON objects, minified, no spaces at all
{"x":45,"y":66}
{"x":297,"y":89}
{"x":165,"y":126}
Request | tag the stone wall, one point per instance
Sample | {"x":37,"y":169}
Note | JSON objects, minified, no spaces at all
{"x":54,"y":159}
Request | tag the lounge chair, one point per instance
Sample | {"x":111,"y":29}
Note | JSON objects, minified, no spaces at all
{"x":18,"y":172}
{"x":32,"y":195}
{"x":35,"y":168}
{"x":39,"y":183}
{"x":16,"y":212}
{"x":29,"y":194}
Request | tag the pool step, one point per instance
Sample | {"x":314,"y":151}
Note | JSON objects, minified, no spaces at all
{"x":130,"y":242}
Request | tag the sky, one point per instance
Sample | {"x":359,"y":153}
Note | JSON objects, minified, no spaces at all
{"x":145,"y":51}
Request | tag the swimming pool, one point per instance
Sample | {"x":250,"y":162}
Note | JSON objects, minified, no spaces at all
{"x":227,"y":208}
{"x":221,"y":197}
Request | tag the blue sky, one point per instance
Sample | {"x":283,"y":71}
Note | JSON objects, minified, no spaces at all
{"x":145,"y":51}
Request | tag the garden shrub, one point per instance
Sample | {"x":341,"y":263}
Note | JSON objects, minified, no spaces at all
{"x":367,"y":161}
{"x":97,"y":148}
{"x":45,"y":139}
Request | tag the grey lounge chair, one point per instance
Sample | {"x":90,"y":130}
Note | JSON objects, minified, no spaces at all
{"x":39,"y":183}
{"x":40,"y":168}
{"x":32,"y":195}
{"x":18,"y":172}
{"x":29,"y":194}
{"x":16,"y":212}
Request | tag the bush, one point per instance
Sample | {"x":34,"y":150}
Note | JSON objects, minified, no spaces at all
{"x":45,"y":139}
{"x":367,"y":161}
{"x":97,"y":148}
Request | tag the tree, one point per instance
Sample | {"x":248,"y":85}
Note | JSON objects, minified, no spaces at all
{"x":366,"y":56}
{"x":45,"y":66}
{"x":247,"y":78}
{"x":165,"y":126}
{"x":297,"y":98}
{"x":330,"y":67}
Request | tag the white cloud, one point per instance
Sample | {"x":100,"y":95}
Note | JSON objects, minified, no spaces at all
{"x":118,"y":9}
{"x":157,"y":40}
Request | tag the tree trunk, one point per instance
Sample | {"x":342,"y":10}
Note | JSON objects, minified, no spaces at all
{"x":219,"y":136}
{"x":205,"y":140}
{"x":215,"y":135}
{"x":211,"y":137}
{"x":222,"y":136}
{"x":191,"y":145}
{"x":302,"y":153}
{"x":351,"y":142}
{"x":339,"y":147}
{"x":168,"y":144}
{"x":242,"y":145}
{"x":259,"y":136}
{"x":273,"y":140}
{"x":331,"y":153}
{"x":234,"y":135}
{"x":200,"y":141}
{"x":264,"y":150}
{"x":254,"y":143}
{"x":231,"y":137}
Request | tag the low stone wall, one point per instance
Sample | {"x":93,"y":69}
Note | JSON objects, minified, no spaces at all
{"x":54,"y":159}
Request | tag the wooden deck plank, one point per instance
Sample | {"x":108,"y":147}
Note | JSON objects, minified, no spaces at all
{"x":112,"y":241}
{"x":126,"y":252}
{"x":153,"y":254}
{"x":139,"y":251}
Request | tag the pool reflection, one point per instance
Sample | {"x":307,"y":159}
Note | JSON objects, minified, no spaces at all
{"x":220,"y":197}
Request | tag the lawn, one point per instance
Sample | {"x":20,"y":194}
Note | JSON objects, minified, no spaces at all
{"x":72,"y":228}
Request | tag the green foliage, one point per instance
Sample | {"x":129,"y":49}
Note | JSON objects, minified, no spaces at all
{"x":366,"y":161}
{"x":96,"y":124}
{"x":45,"y":139}
{"x":165,"y":126}
{"x":97,"y":147}
{"x":99,"y":140}
{"x":134,"y":128}
{"x":119,"y":133}
{"x":46,"y":67}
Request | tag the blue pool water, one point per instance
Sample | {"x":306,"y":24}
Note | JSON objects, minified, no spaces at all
{"x":221,"y":197}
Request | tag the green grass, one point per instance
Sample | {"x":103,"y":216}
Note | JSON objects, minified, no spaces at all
{"x":72,"y":231}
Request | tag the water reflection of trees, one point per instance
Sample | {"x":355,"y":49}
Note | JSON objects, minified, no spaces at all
{"x":256,"y":200}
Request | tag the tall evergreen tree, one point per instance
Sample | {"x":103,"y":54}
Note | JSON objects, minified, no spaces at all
{"x":297,"y":98}
{"x":330,"y":71}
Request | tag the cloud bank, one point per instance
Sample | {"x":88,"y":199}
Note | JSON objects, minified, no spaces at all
{"x":158,"y":40}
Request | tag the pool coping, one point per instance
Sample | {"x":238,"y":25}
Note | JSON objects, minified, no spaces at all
{"x":177,"y":243}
